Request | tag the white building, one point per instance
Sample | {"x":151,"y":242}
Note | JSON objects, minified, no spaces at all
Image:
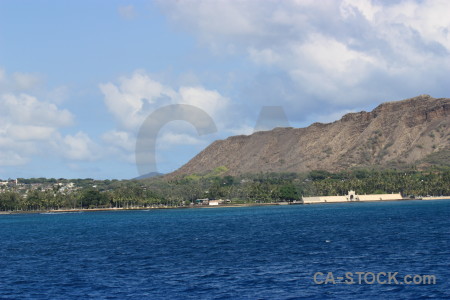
{"x":215,"y":202}
{"x":350,"y":197}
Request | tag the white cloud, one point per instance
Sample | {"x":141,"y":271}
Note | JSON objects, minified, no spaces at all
{"x":26,"y":81}
{"x":30,"y":133}
{"x":30,"y":127}
{"x":134,"y":98}
{"x":330,"y":60}
{"x":79,"y":147}
{"x":19,"y":81}
{"x":209,"y":18}
{"x":349,"y":8}
{"x":210,"y":101}
{"x":428,"y":18}
{"x":342,"y":54}
{"x":120,"y":144}
{"x":127,"y":12}
{"x":58,"y":95}
{"x":264,"y":56}
{"x":26,"y":109}
{"x":11,"y":158}
{"x":31,"y":84}
{"x":120,"y":139}
{"x":169,"y":139}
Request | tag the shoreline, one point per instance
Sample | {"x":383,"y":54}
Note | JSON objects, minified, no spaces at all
{"x":436,"y":198}
{"x":79,"y":210}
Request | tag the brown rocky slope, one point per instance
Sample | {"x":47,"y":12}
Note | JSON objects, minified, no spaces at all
{"x":393,"y":134}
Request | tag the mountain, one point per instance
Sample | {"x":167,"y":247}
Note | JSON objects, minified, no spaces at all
{"x":411,"y":131}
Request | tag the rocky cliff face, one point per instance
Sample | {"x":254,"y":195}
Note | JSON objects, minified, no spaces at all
{"x":394,"y":133}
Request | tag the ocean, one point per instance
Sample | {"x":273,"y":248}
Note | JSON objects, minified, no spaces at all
{"x":270,"y":252}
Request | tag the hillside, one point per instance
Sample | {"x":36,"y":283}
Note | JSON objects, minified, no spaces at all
{"x":411,"y":131}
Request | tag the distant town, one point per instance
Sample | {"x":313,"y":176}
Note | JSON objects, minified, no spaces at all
{"x":24,"y":186}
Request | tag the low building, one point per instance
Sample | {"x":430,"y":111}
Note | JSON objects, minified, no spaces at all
{"x":380,"y":197}
{"x":323,"y":199}
{"x":202,"y":201}
{"x":351,"y":197}
{"x":215,"y":202}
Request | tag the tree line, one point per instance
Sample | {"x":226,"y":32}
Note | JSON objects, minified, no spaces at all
{"x":249,"y":188}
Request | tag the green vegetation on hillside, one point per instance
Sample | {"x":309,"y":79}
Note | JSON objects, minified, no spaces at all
{"x":45,"y":194}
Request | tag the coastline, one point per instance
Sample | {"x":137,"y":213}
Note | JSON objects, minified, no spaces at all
{"x":436,"y":198}
{"x":79,"y":210}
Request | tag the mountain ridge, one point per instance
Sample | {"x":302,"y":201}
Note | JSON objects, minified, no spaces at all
{"x":394,"y":133}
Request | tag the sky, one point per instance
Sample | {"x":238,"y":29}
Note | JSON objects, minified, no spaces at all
{"x":78,"y":79}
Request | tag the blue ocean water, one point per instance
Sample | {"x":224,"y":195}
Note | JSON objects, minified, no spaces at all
{"x":226,"y":253}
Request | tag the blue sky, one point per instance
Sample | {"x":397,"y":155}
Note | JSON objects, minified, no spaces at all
{"x":78,"y":78}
